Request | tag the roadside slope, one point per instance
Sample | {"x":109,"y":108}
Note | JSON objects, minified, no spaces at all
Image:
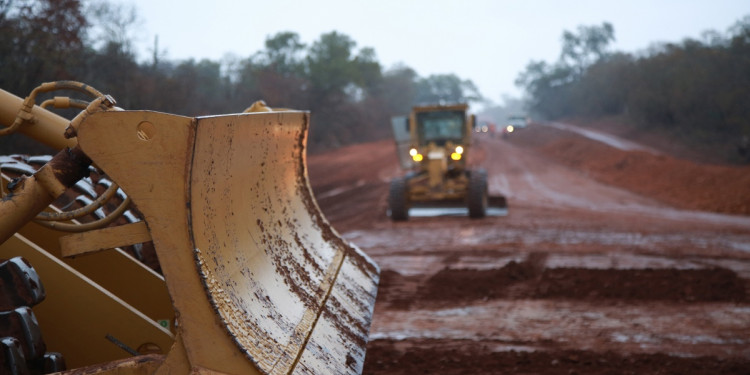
{"x":676,"y":182}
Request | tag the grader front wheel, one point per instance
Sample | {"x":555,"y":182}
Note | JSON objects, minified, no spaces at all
{"x":398,"y":199}
{"x":476,"y":195}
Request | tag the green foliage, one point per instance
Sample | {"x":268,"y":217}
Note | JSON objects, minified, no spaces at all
{"x":330,"y":65}
{"x":589,"y":45}
{"x":282,"y":54}
{"x":554,"y":88}
{"x":697,"y":90}
{"x":111,"y":23}
{"x":446,"y":88}
{"x":399,"y":89}
{"x":349,"y":94}
{"x":40,"y":40}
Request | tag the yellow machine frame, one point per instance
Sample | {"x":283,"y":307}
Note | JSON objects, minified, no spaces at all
{"x":435,"y":183}
{"x":255,"y":279}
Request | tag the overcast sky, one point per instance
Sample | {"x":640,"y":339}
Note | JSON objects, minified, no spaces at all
{"x":486,"y":41}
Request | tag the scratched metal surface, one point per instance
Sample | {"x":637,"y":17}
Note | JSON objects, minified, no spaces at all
{"x":293,"y":295}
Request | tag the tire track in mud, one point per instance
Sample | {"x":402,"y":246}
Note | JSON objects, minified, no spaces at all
{"x":526,"y":177}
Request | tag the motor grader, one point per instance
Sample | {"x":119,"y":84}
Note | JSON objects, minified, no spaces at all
{"x":433,"y":143}
{"x":250,"y":277}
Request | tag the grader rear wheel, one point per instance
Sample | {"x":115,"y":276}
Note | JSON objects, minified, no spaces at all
{"x":476,"y":195}
{"x":397,"y":200}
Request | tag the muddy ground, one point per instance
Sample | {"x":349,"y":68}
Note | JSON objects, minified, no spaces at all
{"x":613,"y":258}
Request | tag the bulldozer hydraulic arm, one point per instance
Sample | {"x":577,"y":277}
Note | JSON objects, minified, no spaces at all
{"x":30,"y":195}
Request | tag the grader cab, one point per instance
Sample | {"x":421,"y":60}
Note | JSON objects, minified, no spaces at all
{"x":433,"y":143}
{"x":250,"y":277}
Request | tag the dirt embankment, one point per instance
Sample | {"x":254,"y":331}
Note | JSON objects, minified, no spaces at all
{"x":351,"y":183}
{"x":677,"y":182}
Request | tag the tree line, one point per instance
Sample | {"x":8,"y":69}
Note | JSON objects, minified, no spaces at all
{"x":350,"y":94}
{"x":696,"y":90}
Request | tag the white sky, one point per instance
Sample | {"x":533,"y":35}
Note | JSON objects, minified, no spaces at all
{"x":486,"y":41}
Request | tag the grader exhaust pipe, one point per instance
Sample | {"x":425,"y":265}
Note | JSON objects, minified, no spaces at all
{"x":258,"y":279}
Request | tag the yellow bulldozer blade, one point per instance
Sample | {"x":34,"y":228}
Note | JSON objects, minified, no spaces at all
{"x":259,"y":280}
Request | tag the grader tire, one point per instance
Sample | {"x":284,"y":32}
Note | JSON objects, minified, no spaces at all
{"x":476,"y":195}
{"x":397,"y":200}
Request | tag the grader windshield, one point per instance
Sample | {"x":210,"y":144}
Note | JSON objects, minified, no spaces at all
{"x":441,"y":126}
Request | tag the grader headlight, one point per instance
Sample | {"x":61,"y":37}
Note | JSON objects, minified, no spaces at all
{"x":415,"y":155}
{"x":458,"y":153}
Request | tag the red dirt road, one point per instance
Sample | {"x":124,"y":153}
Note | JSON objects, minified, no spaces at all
{"x":593,"y":270}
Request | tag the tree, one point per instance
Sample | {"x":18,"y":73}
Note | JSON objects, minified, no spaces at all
{"x":588,"y":46}
{"x":10,"y":34}
{"x":548,"y":87}
{"x":198,"y":89}
{"x":369,"y":73}
{"x":552,"y":87}
{"x":695,"y":91}
{"x":42,"y":41}
{"x":330,"y":68}
{"x":343,"y":86}
{"x":112,"y":24}
{"x":399,"y":89}
{"x":278,"y":72}
{"x":446,"y":88}
{"x":283,"y":54}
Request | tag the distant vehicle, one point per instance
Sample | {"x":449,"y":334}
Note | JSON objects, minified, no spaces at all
{"x":433,"y":143}
{"x":482,"y":127}
{"x":515,"y":123}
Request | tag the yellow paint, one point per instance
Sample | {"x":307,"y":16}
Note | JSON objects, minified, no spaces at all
{"x":248,"y":258}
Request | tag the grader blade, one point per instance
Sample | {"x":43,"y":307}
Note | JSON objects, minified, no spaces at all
{"x":259,"y":280}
